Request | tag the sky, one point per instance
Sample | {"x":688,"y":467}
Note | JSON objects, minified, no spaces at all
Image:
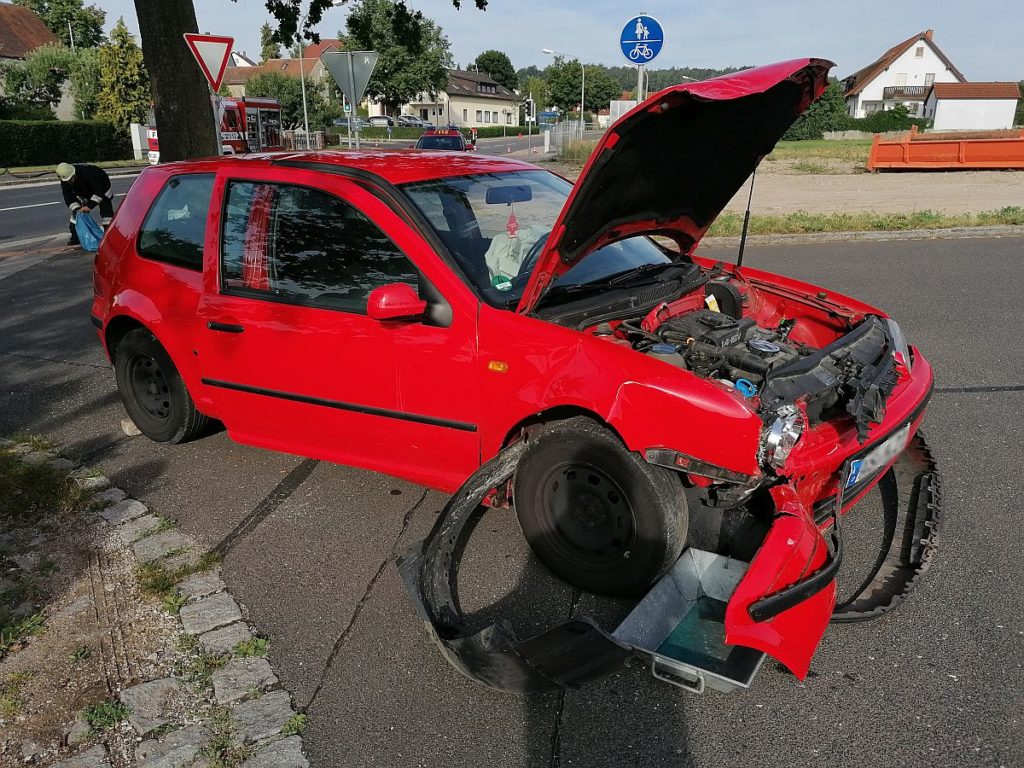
{"x":983,"y":45}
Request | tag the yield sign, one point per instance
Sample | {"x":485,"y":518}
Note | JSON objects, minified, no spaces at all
{"x":212,"y":52}
{"x":351,"y":70}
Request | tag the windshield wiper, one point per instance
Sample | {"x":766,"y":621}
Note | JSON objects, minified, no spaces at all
{"x":630,"y":274}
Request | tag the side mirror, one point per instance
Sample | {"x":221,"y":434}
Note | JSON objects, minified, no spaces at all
{"x":395,"y":301}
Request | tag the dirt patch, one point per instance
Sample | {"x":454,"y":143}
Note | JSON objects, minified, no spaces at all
{"x":786,"y":186}
{"x":76,"y":628}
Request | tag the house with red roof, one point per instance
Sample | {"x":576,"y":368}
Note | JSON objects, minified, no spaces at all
{"x":21,"y":32}
{"x":972,"y":106}
{"x":903,"y":75}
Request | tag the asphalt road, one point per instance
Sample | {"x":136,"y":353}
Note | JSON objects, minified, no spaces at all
{"x":310,"y":552}
{"x":29,"y":211}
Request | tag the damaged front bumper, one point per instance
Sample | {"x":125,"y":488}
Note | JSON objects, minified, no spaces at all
{"x":711,"y":619}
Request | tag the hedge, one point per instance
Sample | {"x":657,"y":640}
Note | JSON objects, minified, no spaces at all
{"x":45,"y":142}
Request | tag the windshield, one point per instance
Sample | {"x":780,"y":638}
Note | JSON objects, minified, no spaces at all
{"x":496,"y":225}
{"x":440,"y":142}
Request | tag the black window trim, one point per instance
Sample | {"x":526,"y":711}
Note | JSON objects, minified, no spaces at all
{"x":250,"y":293}
{"x":149,"y":212}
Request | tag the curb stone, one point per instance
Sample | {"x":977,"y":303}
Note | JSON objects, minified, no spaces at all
{"x":245,"y":688}
{"x":951,"y":233}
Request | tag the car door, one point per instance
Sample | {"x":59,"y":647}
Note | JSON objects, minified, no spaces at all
{"x":289,"y":359}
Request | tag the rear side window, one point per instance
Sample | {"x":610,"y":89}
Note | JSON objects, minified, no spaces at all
{"x":451,"y":143}
{"x":304,"y":246}
{"x":175,"y":226}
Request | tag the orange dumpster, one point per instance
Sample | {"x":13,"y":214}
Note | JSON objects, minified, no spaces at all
{"x":968,"y":151}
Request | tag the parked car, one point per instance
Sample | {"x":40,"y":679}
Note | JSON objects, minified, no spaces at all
{"x":358,"y":123}
{"x":381,"y":121}
{"x":448,"y":140}
{"x":420,"y":314}
{"x":410,"y":121}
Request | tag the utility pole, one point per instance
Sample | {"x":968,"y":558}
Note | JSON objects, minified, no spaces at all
{"x":302,"y":76}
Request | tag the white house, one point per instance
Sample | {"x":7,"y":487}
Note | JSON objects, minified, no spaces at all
{"x":971,"y":106}
{"x":471,"y":100}
{"x":903,"y":75}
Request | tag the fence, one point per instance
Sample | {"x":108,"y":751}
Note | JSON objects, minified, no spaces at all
{"x":297,"y":140}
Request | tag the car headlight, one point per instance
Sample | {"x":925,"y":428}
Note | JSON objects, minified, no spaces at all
{"x":899,"y":344}
{"x":782,"y":435}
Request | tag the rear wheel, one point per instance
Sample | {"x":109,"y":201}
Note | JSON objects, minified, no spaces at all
{"x":153,"y":392}
{"x":597,"y":515}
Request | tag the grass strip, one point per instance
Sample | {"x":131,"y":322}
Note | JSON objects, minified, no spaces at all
{"x":801,"y":222}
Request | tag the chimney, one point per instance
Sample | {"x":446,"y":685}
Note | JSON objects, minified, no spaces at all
{"x":928,"y":33}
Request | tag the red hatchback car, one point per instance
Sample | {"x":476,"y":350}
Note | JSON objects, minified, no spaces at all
{"x":417,"y":313}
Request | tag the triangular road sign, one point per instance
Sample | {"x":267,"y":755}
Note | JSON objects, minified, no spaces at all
{"x":212,"y":52}
{"x":351,"y":70}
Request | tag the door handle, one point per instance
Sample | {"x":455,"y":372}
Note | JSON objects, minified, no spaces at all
{"x":213,"y":325}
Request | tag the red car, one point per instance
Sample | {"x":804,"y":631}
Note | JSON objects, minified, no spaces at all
{"x":444,"y":139}
{"x":422,"y":313}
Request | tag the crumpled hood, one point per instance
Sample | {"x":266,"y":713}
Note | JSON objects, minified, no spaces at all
{"x":671,"y":164}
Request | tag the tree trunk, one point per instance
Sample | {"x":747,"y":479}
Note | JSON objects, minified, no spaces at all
{"x":181,"y":95}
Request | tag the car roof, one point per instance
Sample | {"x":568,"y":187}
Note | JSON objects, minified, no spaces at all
{"x":394,"y":166}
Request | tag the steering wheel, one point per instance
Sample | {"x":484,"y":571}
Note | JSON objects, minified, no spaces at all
{"x":527,"y":264}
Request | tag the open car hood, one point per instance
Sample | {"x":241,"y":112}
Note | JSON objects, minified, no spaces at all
{"x":671,"y":164}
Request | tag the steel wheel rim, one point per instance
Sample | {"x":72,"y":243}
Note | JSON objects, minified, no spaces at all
{"x":149,"y":387}
{"x":587,"y":518}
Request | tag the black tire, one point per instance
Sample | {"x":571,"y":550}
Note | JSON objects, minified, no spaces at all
{"x":153,"y":392}
{"x":597,"y":515}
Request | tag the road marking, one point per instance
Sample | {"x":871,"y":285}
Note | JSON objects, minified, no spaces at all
{"x":34,"y":205}
{"x":52,"y":202}
{"x":28,"y":241}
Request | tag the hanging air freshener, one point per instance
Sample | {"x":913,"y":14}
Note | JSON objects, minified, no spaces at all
{"x":512,"y":225}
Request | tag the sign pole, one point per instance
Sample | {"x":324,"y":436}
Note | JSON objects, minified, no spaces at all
{"x":352,"y":87}
{"x":639,"y":83}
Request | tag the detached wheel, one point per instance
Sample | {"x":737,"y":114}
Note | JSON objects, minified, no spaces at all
{"x":597,"y":515}
{"x":153,"y":392}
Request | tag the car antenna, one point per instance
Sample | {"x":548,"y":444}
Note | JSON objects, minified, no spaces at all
{"x":746,"y":221}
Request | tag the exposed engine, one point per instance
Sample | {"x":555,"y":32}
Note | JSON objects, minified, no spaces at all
{"x":713,"y":344}
{"x":854,"y":374}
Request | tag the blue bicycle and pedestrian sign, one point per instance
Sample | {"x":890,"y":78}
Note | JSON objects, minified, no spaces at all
{"x":641,"y":39}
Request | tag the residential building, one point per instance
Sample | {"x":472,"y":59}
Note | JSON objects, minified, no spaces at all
{"x":971,"y":106}
{"x":237,"y":75}
{"x":902,"y":75}
{"x":318,"y":79}
{"x":239,"y":59}
{"x":21,"y":32}
{"x":471,"y":100}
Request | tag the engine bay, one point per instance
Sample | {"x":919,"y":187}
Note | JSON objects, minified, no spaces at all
{"x":788,"y":357}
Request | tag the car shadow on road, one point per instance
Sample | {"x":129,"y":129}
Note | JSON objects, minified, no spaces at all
{"x":627,"y":718}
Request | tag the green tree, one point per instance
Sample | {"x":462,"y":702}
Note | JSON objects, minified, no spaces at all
{"x":601,"y":88}
{"x":287,"y":90}
{"x":1019,"y":117}
{"x":499,"y":67}
{"x":86,"y":21}
{"x":828,"y":113}
{"x":414,"y":56}
{"x":269,"y":48}
{"x":37,"y":83}
{"x":564,"y":83}
{"x":538,"y":88}
{"x":36,"y":86}
{"x":124,"y":95}
{"x":181,"y":98}
{"x":84,"y":75}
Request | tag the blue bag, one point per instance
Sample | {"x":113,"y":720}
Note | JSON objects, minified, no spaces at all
{"x":89,"y":232}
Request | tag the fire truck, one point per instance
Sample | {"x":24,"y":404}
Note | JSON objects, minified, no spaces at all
{"x":246,"y":125}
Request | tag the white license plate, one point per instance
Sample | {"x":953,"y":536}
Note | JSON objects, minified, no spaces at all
{"x":879,"y":456}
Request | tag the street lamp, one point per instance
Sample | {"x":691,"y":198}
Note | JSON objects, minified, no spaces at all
{"x":583,"y":85}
